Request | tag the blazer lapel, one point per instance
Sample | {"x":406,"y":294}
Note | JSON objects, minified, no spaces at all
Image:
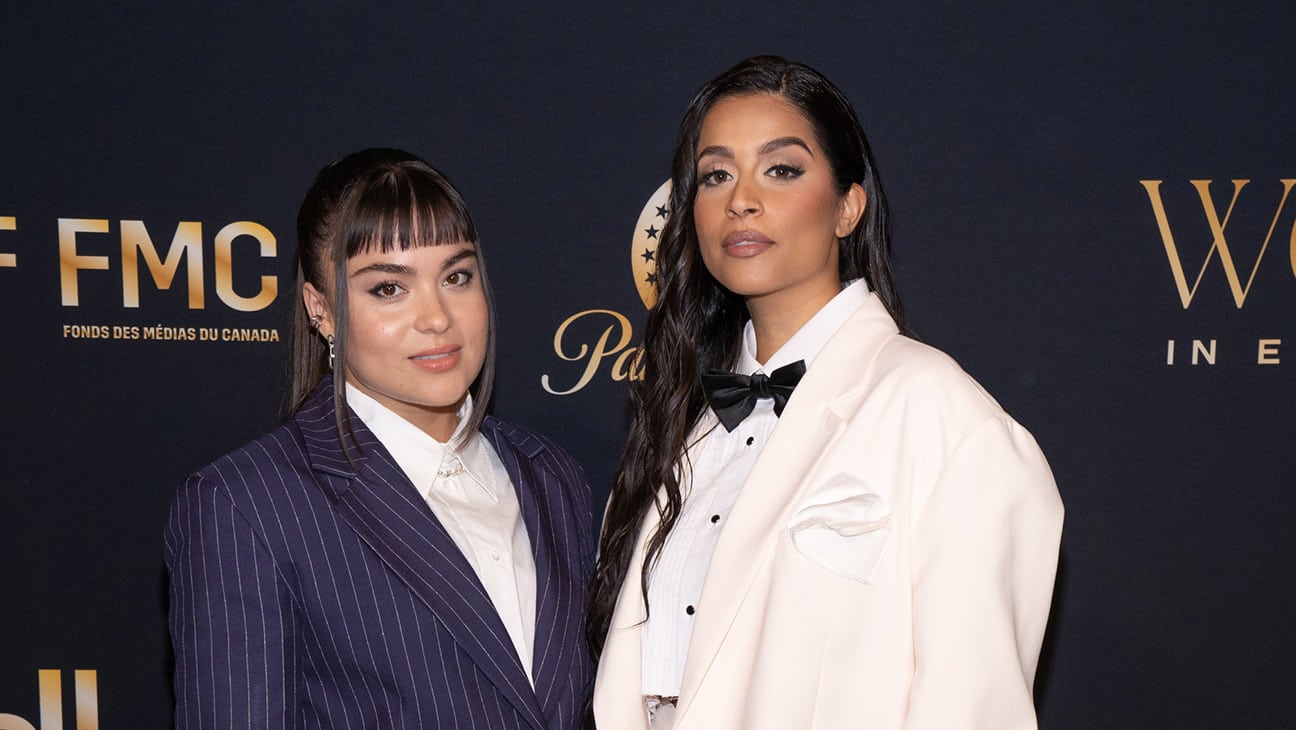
{"x":618,"y":696}
{"x":812,"y":420}
{"x":559,"y":587}
{"x":378,"y":501}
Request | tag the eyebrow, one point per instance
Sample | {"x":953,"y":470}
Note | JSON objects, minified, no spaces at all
{"x":386,"y":267}
{"x":765,"y":149}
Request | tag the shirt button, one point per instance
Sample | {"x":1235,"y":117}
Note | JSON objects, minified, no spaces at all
{"x":715,"y":519}
{"x":750,"y":440}
{"x":495,"y":555}
{"x":688,"y":610}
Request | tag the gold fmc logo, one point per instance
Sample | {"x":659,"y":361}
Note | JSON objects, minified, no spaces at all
{"x":1238,"y":273}
{"x":186,"y":245}
{"x":134,"y":244}
{"x":87,"y":246}
{"x":610,"y":330}
{"x":50,"y":684}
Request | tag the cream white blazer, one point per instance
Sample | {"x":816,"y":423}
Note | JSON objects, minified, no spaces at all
{"x":889,"y":563}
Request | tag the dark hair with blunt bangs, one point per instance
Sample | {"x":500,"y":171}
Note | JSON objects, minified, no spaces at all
{"x":696,"y":323}
{"x":384,"y":200}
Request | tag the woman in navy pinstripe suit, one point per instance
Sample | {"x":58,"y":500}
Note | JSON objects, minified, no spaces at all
{"x":391,"y":556}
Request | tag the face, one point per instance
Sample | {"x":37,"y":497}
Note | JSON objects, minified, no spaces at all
{"x":417,"y":332}
{"x":767,"y":212}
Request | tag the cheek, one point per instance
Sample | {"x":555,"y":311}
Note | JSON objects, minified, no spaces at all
{"x":476,"y":318}
{"x":369,"y":333}
{"x":709,"y":224}
{"x":707,"y":214}
{"x":365,"y":326}
{"x":829,"y":210}
{"x":711,"y":255}
{"x":815,"y":211}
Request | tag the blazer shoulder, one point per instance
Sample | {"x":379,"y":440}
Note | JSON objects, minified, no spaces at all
{"x":537,"y":448}
{"x":268,"y":476}
{"x":928,"y":377}
{"x":274,"y":458}
{"x":868,"y":360}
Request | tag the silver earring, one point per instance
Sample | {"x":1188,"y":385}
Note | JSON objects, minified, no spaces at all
{"x":330,"y":341}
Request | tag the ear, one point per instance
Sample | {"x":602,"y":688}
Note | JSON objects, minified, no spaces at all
{"x":317,"y":306}
{"x":850,"y":209}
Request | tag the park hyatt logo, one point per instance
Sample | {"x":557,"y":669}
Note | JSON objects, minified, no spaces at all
{"x":1238,"y":272}
{"x":610,"y":331}
{"x":50,"y":688}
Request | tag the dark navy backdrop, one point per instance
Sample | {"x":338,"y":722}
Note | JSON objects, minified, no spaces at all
{"x":1012,"y":142}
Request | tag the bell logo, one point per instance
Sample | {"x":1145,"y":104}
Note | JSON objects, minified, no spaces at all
{"x":1218,"y":224}
{"x":50,"y":682}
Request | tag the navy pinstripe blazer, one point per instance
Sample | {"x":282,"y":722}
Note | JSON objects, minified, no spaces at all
{"x":306,"y":594}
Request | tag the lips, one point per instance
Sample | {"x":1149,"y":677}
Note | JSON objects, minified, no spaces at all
{"x":437,"y":359}
{"x":744,"y":244}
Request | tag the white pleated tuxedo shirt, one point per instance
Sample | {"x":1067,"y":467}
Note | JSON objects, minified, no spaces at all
{"x":721,"y":462}
{"x":472,"y":496}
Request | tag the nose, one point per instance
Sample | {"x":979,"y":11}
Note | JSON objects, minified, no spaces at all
{"x":744,"y":198}
{"x":433,"y":315}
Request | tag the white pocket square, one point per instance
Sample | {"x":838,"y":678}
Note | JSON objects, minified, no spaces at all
{"x":843,"y":527}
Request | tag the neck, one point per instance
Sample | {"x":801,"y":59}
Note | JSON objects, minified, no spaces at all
{"x":775,"y":322}
{"x":440,"y":426}
{"x":439,"y":422}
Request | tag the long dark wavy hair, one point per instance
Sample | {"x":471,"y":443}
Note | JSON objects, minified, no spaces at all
{"x":696,"y":323}
{"x":376,"y":199}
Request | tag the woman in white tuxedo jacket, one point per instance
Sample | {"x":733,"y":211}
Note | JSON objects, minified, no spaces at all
{"x":391,"y":556}
{"x":818,"y":522}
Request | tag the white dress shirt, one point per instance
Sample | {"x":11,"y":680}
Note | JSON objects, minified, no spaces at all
{"x":721,"y":462}
{"x":473,"y":498}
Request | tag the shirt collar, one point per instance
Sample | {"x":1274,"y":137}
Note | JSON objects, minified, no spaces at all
{"x":421,"y":457}
{"x":813,"y":335}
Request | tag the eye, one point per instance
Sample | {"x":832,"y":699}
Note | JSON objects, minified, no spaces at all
{"x":386,"y":290}
{"x":713,"y":178}
{"x":785,"y":172}
{"x":459,"y":278}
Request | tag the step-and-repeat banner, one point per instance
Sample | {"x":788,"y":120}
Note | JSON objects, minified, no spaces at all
{"x":1094,"y":214}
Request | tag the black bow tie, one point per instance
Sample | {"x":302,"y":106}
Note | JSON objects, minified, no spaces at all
{"x":733,"y":396}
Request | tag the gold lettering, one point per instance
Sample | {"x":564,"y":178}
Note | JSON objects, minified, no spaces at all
{"x":1293,"y":249}
{"x":13,"y":722}
{"x":1169,"y":352}
{"x":247,"y":335}
{"x":87,"y":699}
{"x":637,"y":367}
{"x":50,"y":687}
{"x":593,"y":357}
{"x":1268,"y":352}
{"x":51,"y":698}
{"x":225,"y":266}
{"x":1219,"y":243}
{"x":70,"y":262}
{"x":629,"y":365}
{"x":186,"y":243}
{"x":1199,"y":349}
{"x":10,"y":260}
{"x":87,"y":331}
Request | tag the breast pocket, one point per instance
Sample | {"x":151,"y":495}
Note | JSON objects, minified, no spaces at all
{"x":843,"y":527}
